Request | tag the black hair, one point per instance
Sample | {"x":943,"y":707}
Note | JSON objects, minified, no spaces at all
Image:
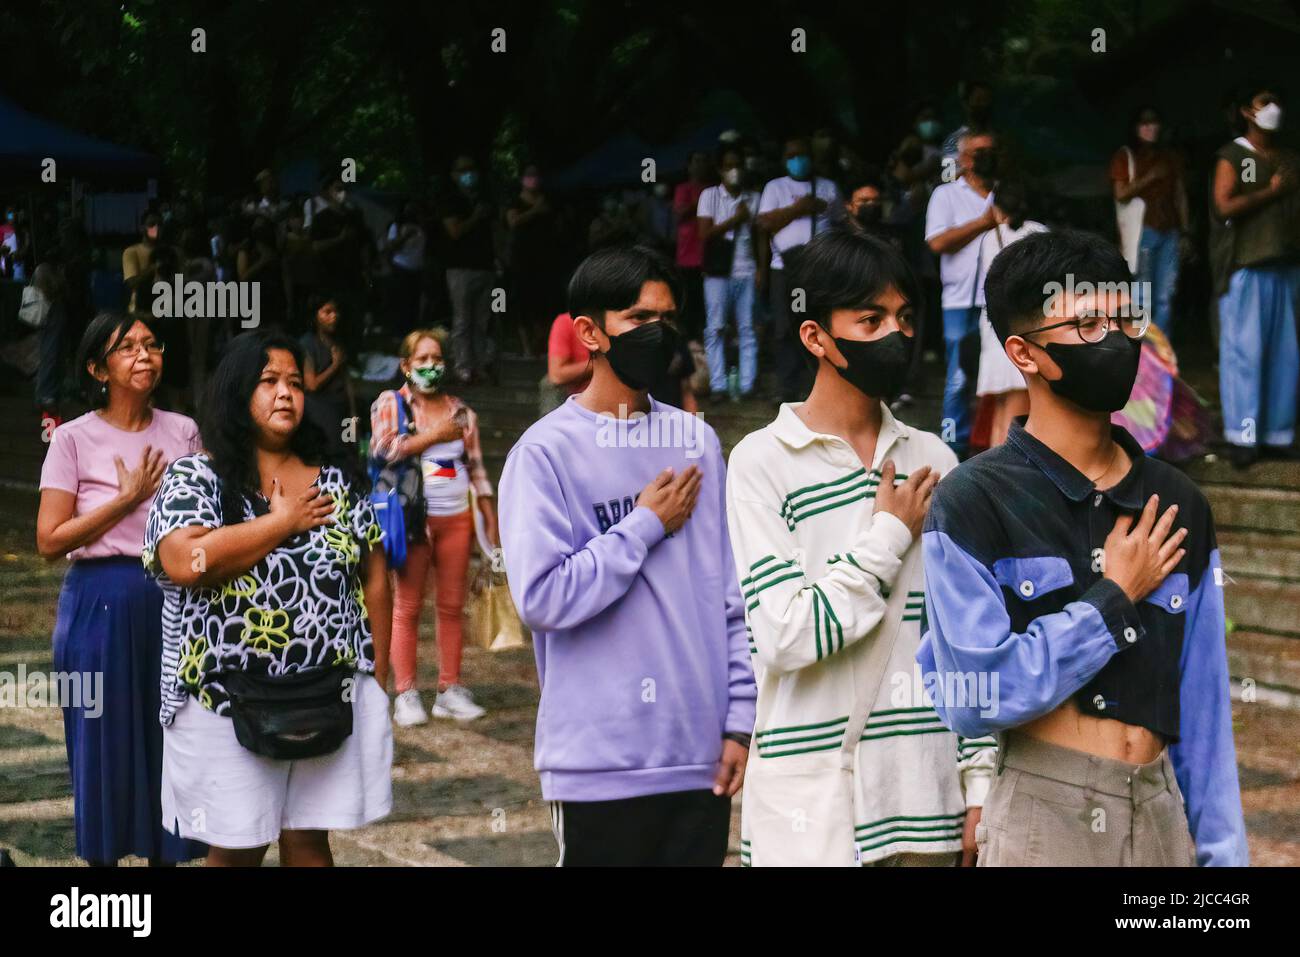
{"x":723,"y":149}
{"x":1016,"y":289}
{"x":314,"y":303}
{"x":1012,"y":198}
{"x":919,"y":106}
{"x":102,"y":335}
{"x":870,"y":176}
{"x":845,"y":268}
{"x":227,"y":429}
{"x":611,"y":279}
{"x":1245,"y":96}
{"x":1131,"y":136}
{"x":1253,"y":88}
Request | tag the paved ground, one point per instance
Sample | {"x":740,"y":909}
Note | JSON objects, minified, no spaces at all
{"x":463,"y":794}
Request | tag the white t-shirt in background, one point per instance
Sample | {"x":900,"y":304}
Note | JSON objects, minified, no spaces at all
{"x":955,"y":204}
{"x":782,"y":192}
{"x":717,"y":204}
{"x":997,"y":374}
{"x":410,"y":255}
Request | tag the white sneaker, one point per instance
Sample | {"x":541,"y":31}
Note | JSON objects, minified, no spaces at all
{"x":408,"y":709}
{"x":456,"y":702}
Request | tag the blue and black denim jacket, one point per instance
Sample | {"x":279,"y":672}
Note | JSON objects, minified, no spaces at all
{"x":1013,"y":548}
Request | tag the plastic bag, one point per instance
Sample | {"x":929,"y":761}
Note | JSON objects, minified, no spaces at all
{"x":492,"y":621}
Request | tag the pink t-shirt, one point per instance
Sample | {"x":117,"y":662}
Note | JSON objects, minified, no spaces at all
{"x":80,"y":460}
{"x":690,"y":248}
{"x":564,"y":342}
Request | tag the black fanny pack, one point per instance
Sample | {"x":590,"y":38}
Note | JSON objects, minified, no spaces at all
{"x":303,"y":714}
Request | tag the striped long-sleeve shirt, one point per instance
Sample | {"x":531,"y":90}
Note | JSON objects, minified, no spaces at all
{"x":388,"y":445}
{"x":823,"y":577}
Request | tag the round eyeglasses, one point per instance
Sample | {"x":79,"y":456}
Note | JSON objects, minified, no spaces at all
{"x":1094,"y":328}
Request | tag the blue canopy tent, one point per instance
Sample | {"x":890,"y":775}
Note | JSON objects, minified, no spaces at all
{"x":617,"y":162}
{"x":26,"y":140}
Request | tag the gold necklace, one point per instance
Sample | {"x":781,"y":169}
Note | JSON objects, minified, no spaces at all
{"x":1113,"y":455}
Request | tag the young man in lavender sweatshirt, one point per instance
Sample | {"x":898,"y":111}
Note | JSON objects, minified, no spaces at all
{"x":615,"y":539}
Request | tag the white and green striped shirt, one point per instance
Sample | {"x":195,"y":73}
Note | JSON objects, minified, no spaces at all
{"x":822,"y":575}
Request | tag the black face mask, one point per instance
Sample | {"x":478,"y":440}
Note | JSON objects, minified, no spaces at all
{"x":868,"y":214}
{"x":640,"y":357}
{"x":984,"y":163}
{"x":877,"y":368}
{"x":1097,"y":376}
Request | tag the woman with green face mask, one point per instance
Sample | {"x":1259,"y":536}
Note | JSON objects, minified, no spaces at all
{"x":439,"y":459}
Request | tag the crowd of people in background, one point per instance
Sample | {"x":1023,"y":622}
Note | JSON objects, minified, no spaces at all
{"x":483,"y":254}
{"x":805,"y":275}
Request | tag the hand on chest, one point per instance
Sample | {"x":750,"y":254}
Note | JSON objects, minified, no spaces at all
{"x":1053,"y":555}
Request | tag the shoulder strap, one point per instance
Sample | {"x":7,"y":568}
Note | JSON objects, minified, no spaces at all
{"x":376,"y":465}
{"x":979,"y":258}
{"x":1132,"y":164}
{"x":867,"y":678}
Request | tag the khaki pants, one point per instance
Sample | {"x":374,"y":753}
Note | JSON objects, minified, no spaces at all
{"x":946,"y":859}
{"x":1057,"y":807}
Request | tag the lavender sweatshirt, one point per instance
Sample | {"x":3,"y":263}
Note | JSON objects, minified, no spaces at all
{"x":639,"y":637}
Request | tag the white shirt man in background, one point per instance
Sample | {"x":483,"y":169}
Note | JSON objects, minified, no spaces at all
{"x":960,"y":213}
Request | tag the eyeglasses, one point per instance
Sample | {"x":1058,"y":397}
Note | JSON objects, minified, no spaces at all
{"x":132,"y":349}
{"x":1094,"y":328}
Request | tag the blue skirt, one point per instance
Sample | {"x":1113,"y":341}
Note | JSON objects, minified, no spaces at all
{"x":110,"y":624}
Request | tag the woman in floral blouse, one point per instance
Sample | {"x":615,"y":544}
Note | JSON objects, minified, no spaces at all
{"x":265,"y":549}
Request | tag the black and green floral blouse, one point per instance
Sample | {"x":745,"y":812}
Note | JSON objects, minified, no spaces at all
{"x":299,"y":607}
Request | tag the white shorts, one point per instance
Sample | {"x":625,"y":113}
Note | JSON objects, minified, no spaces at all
{"x":216,"y":791}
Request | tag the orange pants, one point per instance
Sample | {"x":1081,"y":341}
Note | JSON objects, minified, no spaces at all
{"x":448,"y":550}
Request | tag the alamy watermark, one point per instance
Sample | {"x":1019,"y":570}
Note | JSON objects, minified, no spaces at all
{"x":951,"y":689}
{"x":73,"y":910}
{"x":55,"y":689}
{"x":1134,"y":297}
{"x":637,"y":430}
{"x":179,"y":299}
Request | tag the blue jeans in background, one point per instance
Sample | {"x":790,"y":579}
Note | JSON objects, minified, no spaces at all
{"x":1158,"y":265}
{"x":958,"y":326}
{"x":721,"y":295}
{"x":1259,"y":360}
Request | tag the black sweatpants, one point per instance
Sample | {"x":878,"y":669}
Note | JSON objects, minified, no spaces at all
{"x":678,"y":829}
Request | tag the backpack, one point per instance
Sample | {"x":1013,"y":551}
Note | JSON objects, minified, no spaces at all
{"x":397,"y":494}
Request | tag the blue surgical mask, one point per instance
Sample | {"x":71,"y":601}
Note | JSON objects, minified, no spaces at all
{"x":798,"y":166}
{"x":927,"y":129}
{"x":467,"y":179}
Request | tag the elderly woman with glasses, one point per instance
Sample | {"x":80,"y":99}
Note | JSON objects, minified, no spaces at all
{"x":100,"y":473}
